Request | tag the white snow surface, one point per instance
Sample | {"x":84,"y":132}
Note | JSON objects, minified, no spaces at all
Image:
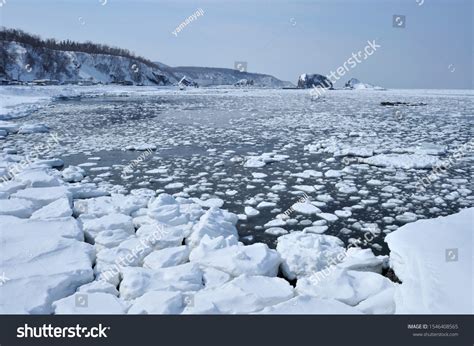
{"x":433,"y":259}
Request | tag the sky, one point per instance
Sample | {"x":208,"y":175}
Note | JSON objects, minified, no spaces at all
{"x":431,"y":47}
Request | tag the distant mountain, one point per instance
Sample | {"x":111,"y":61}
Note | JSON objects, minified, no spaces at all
{"x":213,"y":76}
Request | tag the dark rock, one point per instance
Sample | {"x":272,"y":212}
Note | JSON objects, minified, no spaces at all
{"x":398,"y":103}
{"x":307,"y":81}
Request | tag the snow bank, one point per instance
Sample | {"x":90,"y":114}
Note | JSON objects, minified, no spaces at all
{"x":433,"y":259}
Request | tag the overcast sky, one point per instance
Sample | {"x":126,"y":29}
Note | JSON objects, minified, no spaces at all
{"x":281,"y":38}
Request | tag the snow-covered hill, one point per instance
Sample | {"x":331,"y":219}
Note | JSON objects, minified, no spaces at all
{"x":24,"y":62}
{"x":212,"y":76}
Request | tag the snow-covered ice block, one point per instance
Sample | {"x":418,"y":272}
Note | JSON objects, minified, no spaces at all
{"x":214,"y":223}
{"x":162,"y":236}
{"x":111,"y":238}
{"x":404,"y":161}
{"x":427,"y":149}
{"x":262,"y":160}
{"x":16,"y":207}
{"x":250,"y":211}
{"x":41,"y":196}
{"x":328,"y":217}
{"x":43,"y":261}
{"x":98,"y":286}
{"x":66,"y":227}
{"x":57,"y":209}
{"x":244,"y":294}
{"x":38,"y":178}
{"x":168,"y":257}
{"x":316,"y":229}
{"x":83,"y":190}
{"x":158,"y":303}
{"x":350,"y":287}
{"x":305,"y":208}
{"x":89,"y":304}
{"x":11,"y":186}
{"x":209,"y":203}
{"x":362,"y":260}
{"x":433,"y":259}
{"x":276,"y":231}
{"x":308,"y":305}
{"x":93,"y":226}
{"x":73,"y":174}
{"x":354,"y":151}
{"x":255,"y":259}
{"x":130,"y":252}
{"x":306,"y":253}
{"x":116,"y":203}
{"x":209,"y":244}
{"x":33,"y":128}
{"x":380,"y":303}
{"x":213,"y":277}
{"x":137,"y":281}
{"x":165,"y":209}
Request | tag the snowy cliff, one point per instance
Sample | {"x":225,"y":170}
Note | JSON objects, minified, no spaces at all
{"x":23,"y":62}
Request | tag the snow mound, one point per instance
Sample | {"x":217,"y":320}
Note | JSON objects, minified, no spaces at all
{"x":255,"y":259}
{"x":433,"y":259}
{"x":306,"y":253}
{"x":349,"y":287}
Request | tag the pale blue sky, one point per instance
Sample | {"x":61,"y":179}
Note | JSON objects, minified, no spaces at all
{"x":279,"y":37}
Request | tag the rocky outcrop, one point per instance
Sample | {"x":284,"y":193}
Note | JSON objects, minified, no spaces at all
{"x":306,"y":81}
{"x":244,"y":82}
{"x":356,"y":84}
